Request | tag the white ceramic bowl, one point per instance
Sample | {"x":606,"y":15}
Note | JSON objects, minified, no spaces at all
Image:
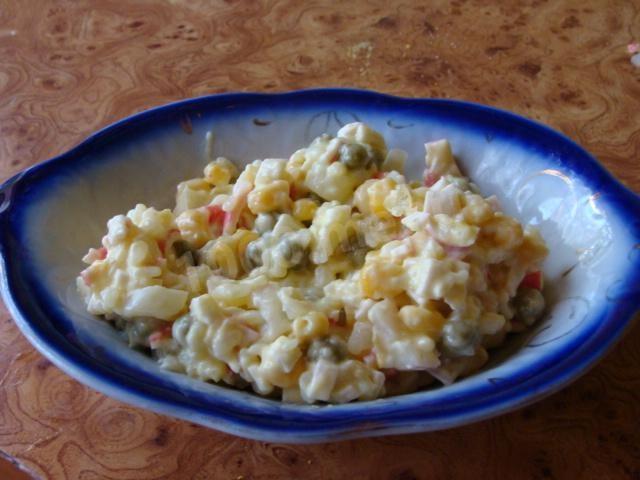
{"x":52,"y":213}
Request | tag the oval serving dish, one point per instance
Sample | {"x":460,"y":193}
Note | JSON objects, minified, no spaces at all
{"x":53,"y":212}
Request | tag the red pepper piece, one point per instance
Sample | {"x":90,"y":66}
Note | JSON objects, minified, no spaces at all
{"x":216,"y":214}
{"x":430,"y":179}
{"x":293,"y":191}
{"x":532,"y":280}
{"x":159,"y":335}
{"x":84,"y":274}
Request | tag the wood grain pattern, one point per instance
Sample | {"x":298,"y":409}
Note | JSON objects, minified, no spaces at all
{"x":70,"y":67}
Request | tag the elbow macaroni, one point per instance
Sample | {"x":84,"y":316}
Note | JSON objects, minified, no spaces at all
{"x":324,"y":277}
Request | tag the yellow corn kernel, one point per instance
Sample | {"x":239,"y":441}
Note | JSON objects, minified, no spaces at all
{"x":304,"y":209}
{"x":378,"y":192}
{"x":423,"y":320}
{"x":310,"y":326}
{"x":195,"y":184}
{"x":220,"y":172}
{"x":381,"y":279}
{"x":269,"y":198}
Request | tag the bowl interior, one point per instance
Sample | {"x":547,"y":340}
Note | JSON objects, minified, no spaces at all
{"x":64,"y":212}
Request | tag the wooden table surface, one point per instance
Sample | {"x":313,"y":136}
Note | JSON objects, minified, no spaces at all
{"x":70,"y":67}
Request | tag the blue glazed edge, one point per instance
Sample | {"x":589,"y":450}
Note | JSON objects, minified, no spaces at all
{"x":326,"y":422}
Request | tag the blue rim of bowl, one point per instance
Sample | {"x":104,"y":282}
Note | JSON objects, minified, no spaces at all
{"x":279,"y":422}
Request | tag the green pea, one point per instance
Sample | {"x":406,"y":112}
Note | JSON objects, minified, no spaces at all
{"x":253,"y":254}
{"x":357,"y":257}
{"x":460,"y":338}
{"x":354,"y":155}
{"x":332,"y":349}
{"x":375,"y":156}
{"x":138,"y":331}
{"x":293,"y":253}
{"x":353,"y":241}
{"x":182,"y":248}
{"x":529,"y":305}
